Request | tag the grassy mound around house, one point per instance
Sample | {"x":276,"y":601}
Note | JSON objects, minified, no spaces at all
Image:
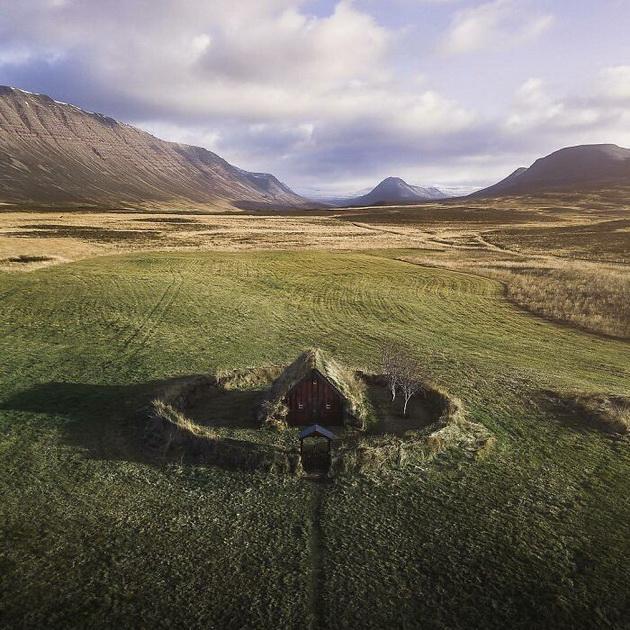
{"x":441,"y":426}
{"x":206,"y":420}
{"x":210,"y":421}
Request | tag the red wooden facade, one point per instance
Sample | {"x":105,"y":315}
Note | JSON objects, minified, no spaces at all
{"x":314,"y":401}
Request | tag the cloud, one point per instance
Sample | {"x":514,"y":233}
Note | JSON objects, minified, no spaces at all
{"x":597,"y":115}
{"x":319,"y":99}
{"x":498,"y":24}
{"x":533,"y":106}
{"x":297,"y":49}
{"x":359,"y":133}
{"x":266,"y":84}
{"x":261,"y":60}
{"x":614,"y":83}
{"x":14,"y":56}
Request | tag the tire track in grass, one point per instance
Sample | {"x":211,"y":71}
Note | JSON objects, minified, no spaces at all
{"x":165,"y":297}
{"x":139,"y":337}
{"x":157,"y":314}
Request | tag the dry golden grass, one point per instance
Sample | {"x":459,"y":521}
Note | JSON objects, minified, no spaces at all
{"x":599,"y":241}
{"x":534,"y":246}
{"x":169,"y":413}
{"x":78,"y":235}
{"x":594,"y":299}
{"x":592,"y":296}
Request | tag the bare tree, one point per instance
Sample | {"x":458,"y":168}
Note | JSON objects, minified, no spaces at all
{"x":410,"y":381}
{"x":392,"y":363}
{"x":403,"y":371}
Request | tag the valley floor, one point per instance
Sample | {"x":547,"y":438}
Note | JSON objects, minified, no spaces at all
{"x":99,"y":534}
{"x":562,"y":258}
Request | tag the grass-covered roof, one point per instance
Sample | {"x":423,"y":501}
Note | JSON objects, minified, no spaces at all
{"x":342,"y":378}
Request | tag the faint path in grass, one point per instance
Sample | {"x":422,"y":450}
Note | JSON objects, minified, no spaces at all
{"x":316,"y":552}
{"x":415,"y":236}
{"x":484,"y":238}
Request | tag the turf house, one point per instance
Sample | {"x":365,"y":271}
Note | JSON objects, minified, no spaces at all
{"x":316,"y":389}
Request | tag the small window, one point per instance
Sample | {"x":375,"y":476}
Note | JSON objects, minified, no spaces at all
{"x":300,"y":405}
{"x":327,"y":405}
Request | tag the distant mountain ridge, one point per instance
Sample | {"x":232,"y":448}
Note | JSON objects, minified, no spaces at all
{"x":569,"y":168}
{"x":56,"y":153}
{"x":394,"y":190}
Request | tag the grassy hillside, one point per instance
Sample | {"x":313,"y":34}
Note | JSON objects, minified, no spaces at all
{"x":97,"y":534}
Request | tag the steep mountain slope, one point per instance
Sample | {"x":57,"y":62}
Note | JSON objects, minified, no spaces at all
{"x":395,"y":190}
{"x":55,"y":153}
{"x":570,"y":168}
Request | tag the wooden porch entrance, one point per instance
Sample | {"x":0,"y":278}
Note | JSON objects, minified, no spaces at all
{"x":315,"y":450}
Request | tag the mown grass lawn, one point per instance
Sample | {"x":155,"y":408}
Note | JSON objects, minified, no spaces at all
{"x":534,"y":535}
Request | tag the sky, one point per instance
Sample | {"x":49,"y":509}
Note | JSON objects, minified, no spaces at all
{"x":332,"y":96}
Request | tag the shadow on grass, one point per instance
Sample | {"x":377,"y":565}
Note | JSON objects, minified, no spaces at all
{"x":558,"y":406}
{"x":107,"y":422}
{"x":226,"y":408}
{"x":566,"y":408}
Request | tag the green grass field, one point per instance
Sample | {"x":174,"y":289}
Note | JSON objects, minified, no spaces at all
{"x":96,"y":534}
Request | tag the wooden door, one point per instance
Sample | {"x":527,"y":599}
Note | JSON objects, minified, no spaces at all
{"x":315,"y":456}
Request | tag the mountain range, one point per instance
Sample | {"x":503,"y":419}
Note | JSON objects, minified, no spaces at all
{"x":572,"y":168}
{"x":55,"y":153}
{"x":52,"y":153}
